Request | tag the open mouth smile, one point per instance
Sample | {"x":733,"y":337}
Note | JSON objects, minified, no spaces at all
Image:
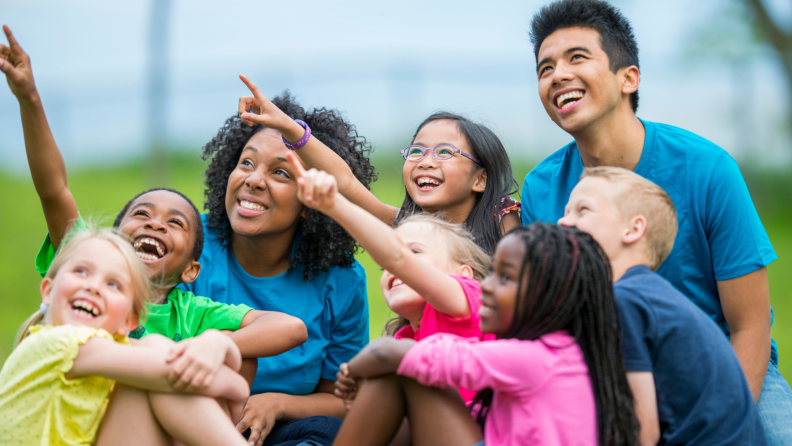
{"x":149,"y":249}
{"x":567,"y":101}
{"x":394,"y":282}
{"x":428,"y":183}
{"x":85,"y":309}
{"x":247,"y":208}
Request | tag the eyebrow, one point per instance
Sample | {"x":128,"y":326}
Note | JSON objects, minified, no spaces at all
{"x":280,"y":158}
{"x":582,"y":49}
{"x":418,"y":143}
{"x":250,"y":148}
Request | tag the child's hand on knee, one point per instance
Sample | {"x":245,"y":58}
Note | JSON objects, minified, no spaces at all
{"x":316,"y":189}
{"x":345,"y":386}
{"x":196,"y":361}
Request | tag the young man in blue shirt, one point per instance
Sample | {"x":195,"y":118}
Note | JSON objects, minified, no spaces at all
{"x":687,"y":383}
{"x":587,"y":66}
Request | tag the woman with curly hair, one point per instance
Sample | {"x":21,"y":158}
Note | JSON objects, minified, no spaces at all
{"x":267,"y":250}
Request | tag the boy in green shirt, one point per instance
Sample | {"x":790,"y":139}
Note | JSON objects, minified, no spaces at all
{"x":165,"y":228}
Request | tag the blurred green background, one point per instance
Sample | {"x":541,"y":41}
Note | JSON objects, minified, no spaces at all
{"x":102,"y":191}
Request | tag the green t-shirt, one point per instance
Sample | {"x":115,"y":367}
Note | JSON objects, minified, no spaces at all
{"x":184,"y":315}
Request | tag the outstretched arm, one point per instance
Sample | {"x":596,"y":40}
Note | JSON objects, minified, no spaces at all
{"x":144,"y":366}
{"x":46,"y":163}
{"x":268,"y":333}
{"x":317,"y":190}
{"x":380,"y":357}
{"x":314,"y":153}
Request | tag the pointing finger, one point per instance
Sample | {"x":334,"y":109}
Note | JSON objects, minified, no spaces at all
{"x":297,"y":164}
{"x":252,"y":87}
{"x":12,"y":42}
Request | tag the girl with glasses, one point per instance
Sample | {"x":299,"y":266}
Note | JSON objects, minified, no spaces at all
{"x":455,"y":168}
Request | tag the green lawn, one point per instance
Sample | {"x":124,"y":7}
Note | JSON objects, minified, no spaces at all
{"x":101,"y":192}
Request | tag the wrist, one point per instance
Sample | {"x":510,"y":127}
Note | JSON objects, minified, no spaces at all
{"x":291,"y":130}
{"x":30,"y":99}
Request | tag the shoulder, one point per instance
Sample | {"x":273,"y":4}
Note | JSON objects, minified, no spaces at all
{"x":550,"y":166}
{"x":677,"y":139}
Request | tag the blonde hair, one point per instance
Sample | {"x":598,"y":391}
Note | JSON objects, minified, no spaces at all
{"x":639,"y":196}
{"x":462,"y":249}
{"x":138,"y":273}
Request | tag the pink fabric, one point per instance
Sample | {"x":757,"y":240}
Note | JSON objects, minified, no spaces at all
{"x":433,"y":322}
{"x":542,"y":389}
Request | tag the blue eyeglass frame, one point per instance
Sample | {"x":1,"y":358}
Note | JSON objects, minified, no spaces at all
{"x":404,"y":153}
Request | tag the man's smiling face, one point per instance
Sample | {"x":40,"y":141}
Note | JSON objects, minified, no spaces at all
{"x":576,"y":84}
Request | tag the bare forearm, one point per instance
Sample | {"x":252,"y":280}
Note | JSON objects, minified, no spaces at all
{"x":753,"y":350}
{"x":295,"y":407}
{"x":380,"y":357}
{"x":269,"y":335}
{"x":46,"y":163}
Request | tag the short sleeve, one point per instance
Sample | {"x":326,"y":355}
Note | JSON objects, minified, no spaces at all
{"x":508,"y":365}
{"x":206,"y":314}
{"x":350,"y":334}
{"x":526,"y":214}
{"x":62,"y":343}
{"x":47,"y":252}
{"x":737,"y":239}
{"x":636,"y":325}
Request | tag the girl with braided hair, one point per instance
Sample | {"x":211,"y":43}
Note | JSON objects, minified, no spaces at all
{"x":555,"y":374}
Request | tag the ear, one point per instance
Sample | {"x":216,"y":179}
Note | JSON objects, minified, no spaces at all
{"x":46,"y":291}
{"x":481,"y":181}
{"x":636,"y":228}
{"x":130,"y":324}
{"x":630,"y":78}
{"x":464,"y":270}
{"x":191,"y":272}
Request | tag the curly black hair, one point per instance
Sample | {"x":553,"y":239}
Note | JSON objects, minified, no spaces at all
{"x":196,"y":224}
{"x":324,"y":243}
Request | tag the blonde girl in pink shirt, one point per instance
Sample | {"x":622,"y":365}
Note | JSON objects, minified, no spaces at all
{"x":431,"y":268}
{"x":554,"y":376}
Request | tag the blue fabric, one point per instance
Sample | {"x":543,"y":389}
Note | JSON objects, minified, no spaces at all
{"x":775,"y":408}
{"x":311,"y":431}
{"x":702,"y":395}
{"x":333,"y":305}
{"x":720,"y":235}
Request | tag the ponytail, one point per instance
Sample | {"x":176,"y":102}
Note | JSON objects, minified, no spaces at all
{"x":24,"y":330}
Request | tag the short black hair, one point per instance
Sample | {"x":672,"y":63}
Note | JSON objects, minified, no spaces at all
{"x":616,"y":34}
{"x":196,"y":220}
{"x":324,"y":242}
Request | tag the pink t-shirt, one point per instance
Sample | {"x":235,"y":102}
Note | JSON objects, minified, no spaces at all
{"x":542,"y":389}
{"x":434,"y":321}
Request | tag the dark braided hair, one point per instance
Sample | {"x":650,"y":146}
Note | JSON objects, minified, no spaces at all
{"x":196,"y":224}
{"x":569,"y":287}
{"x":488,"y":149}
{"x":324,"y":243}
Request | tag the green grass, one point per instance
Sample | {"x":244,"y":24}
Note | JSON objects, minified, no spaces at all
{"x":101,"y":192}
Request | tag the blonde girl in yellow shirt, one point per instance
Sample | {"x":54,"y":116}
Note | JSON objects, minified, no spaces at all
{"x":58,"y":387}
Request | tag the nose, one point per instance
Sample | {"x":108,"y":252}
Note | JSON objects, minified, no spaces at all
{"x":93,"y":285}
{"x":427,"y":162}
{"x":566,"y":220}
{"x":155,"y":225}
{"x":486,"y":284}
{"x":562,"y":73}
{"x":256,"y":181}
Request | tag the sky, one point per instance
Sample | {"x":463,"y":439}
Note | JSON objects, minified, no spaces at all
{"x":386,"y":65}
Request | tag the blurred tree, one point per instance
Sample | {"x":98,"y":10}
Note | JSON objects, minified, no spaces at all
{"x":773,"y":33}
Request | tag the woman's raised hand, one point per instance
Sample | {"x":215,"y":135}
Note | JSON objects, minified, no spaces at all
{"x":266,"y":113}
{"x":316,"y":189}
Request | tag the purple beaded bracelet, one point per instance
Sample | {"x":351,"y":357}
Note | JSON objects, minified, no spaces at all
{"x":303,"y":140}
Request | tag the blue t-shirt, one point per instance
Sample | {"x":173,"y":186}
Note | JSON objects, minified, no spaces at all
{"x":333,"y":306}
{"x":702,"y":395}
{"x":720,"y":235}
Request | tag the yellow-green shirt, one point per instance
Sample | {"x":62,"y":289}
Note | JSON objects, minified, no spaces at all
{"x":38,"y":405}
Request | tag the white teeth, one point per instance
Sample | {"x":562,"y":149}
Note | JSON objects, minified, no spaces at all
{"x":146,"y":256}
{"x":485,"y":310}
{"x":85,"y":307}
{"x":423,"y":181}
{"x":251,"y":206}
{"x":396,"y":282}
{"x":571,"y":95}
{"x":152,"y":242}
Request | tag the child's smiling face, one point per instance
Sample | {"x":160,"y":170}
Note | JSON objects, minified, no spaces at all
{"x":423,"y":239}
{"x":160,"y":226}
{"x":499,"y":288}
{"x":437,"y":185}
{"x":92,"y":288}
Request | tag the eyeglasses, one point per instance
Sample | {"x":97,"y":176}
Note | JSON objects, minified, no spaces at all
{"x":442,"y":152}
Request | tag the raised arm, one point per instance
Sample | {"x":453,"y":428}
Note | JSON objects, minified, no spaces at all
{"x":46,"y":163}
{"x":144,"y":366}
{"x":314,"y":153}
{"x":318,"y":190}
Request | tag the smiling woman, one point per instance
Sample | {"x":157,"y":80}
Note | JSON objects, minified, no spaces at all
{"x":266,"y":250}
